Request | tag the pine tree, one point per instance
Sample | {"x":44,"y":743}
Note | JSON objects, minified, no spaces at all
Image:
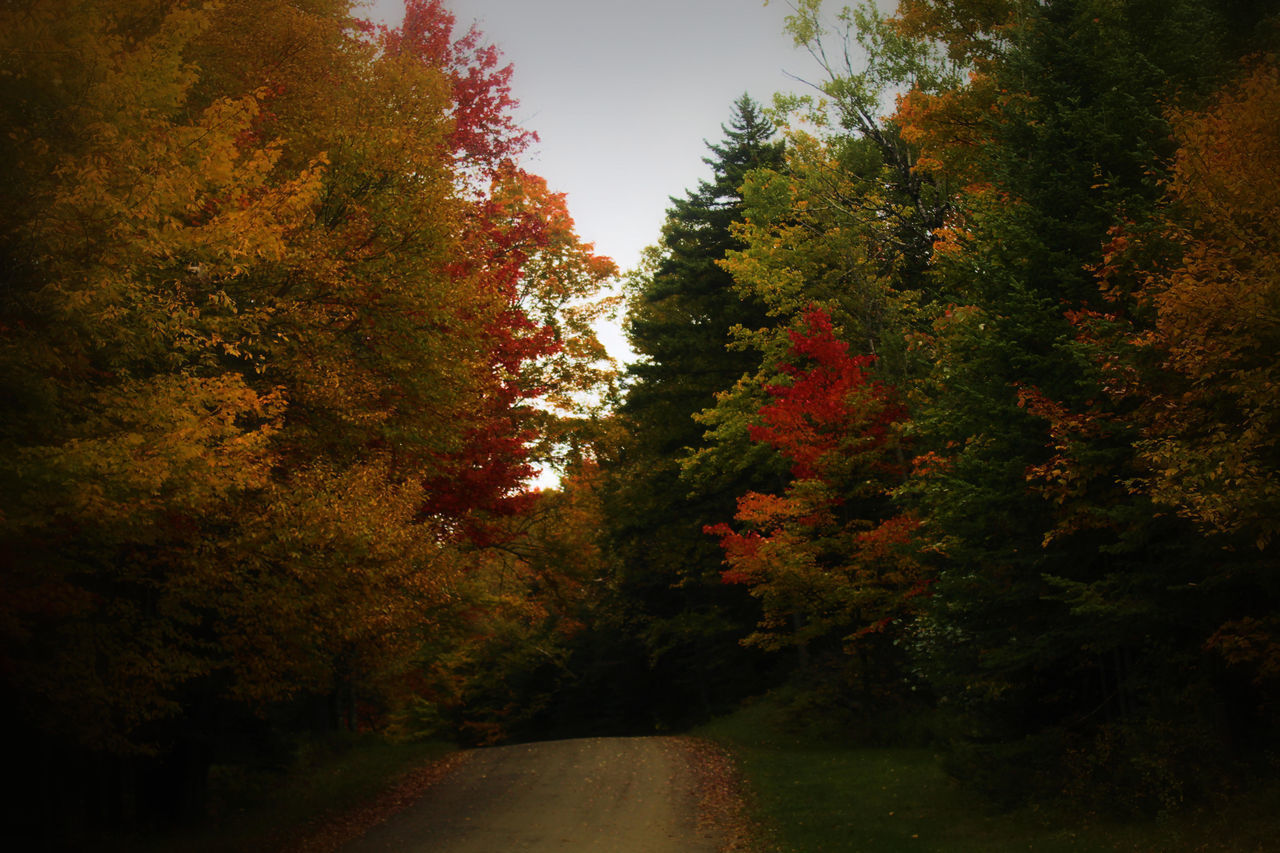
{"x":683,"y":308}
{"x":682,"y":313}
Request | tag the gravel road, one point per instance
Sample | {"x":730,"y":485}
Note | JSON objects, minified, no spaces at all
{"x":611,"y":795}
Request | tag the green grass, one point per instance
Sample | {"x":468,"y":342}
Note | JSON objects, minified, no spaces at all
{"x":257,"y":809}
{"x":816,"y":797}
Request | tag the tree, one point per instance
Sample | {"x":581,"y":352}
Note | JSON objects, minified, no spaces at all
{"x":842,"y":231}
{"x":271,"y":278}
{"x":825,"y":557}
{"x":522,"y":253}
{"x":1180,"y":349}
{"x":1210,"y":440}
{"x":682,"y":310}
{"x":1063,"y":602}
{"x":965,"y":253}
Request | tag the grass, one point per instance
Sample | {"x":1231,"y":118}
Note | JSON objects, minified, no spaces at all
{"x":814,"y":796}
{"x":260,"y":809}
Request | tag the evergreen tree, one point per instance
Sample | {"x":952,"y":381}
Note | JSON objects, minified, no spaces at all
{"x":682,"y":313}
{"x":1059,"y":630}
{"x":683,"y":308}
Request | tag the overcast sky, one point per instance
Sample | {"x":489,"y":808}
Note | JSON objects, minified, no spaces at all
{"x":623,"y":93}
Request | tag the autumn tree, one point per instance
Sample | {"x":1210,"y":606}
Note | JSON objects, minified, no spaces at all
{"x":831,"y":563}
{"x":960,"y":240}
{"x":1210,"y":440}
{"x":272,"y":279}
{"x":1183,"y":351}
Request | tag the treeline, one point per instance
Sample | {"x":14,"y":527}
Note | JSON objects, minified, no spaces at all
{"x":284,"y":329}
{"x":954,"y":408}
{"x":970,"y":372}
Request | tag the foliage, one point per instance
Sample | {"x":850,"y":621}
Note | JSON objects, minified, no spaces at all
{"x":978,"y":397}
{"x":822,"y":557}
{"x":1064,"y":601}
{"x":677,"y":622}
{"x":283,"y":329}
{"x":1185,"y":348}
{"x":506,"y":654}
{"x":1210,"y":439}
{"x":1073,"y":444}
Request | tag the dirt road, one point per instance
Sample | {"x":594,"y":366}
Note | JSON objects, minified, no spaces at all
{"x":612,"y":795}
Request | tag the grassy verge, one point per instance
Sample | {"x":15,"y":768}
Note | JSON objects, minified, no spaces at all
{"x":265,"y":809}
{"x":816,"y":797}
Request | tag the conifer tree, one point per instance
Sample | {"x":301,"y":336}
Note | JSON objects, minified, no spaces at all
{"x":1060,"y":617}
{"x":682,"y":313}
{"x":683,"y":308}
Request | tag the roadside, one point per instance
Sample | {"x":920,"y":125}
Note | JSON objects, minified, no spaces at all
{"x":330,"y":832}
{"x":324,"y":790}
{"x":808,"y":794}
{"x":723,"y":810}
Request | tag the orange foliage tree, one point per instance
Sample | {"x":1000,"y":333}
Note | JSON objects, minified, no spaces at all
{"x":1212,"y":437}
{"x":1193,"y":358}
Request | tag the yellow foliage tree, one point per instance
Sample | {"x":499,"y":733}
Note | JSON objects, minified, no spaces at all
{"x":242,"y":333}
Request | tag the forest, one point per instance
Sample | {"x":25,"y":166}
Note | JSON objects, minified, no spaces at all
{"x":953,"y":417}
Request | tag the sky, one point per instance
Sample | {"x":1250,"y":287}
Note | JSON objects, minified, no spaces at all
{"x":624,"y":94}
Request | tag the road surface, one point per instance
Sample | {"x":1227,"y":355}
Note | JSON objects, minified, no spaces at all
{"x":605,"y":795}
